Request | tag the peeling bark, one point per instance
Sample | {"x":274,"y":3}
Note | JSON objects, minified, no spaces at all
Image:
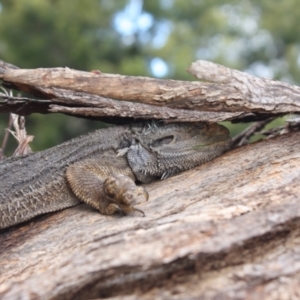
{"x":229,"y":229}
{"x":233,"y":92}
{"x":87,"y":104}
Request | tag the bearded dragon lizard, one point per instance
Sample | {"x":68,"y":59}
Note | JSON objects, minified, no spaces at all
{"x":102,"y":168}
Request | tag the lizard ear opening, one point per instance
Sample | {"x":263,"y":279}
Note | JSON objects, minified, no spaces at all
{"x":162,"y":141}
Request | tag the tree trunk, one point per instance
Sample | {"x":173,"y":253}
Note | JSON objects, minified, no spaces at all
{"x":229,"y":229}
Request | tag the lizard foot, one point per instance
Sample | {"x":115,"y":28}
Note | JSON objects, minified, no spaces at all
{"x":122,"y":193}
{"x":109,"y":192}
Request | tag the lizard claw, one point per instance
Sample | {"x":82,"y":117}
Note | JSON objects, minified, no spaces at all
{"x":142,"y":191}
{"x":129,"y":208}
{"x":111,"y":209}
{"x":121,"y":191}
{"x":140,"y":211}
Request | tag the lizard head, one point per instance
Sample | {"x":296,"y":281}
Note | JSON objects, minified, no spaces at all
{"x":161,"y":150}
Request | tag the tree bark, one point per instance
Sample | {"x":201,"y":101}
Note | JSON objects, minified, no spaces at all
{"x":229,"y":229}
{"x":237,"y":91}
{"x":232,"y":94}
{"x":85,"y":103}
{"x":93,"y":106}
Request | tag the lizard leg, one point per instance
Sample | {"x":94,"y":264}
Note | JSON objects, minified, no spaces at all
{"x":99,"y":186}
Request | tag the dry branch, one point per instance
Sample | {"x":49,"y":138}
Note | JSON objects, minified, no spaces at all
{"x":87,"y":104}
{"x":233,"y":92}
{"x":229,"y":229}
{"x":74,"y":103}
{"x":243,"y":137}
{"x":259,"y":94}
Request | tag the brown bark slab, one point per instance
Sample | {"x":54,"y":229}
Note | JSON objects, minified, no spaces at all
{"x":229,"y":229}
{"x":84,"y":102}
{"x":93,"y":106}
{"x":232,"y":91}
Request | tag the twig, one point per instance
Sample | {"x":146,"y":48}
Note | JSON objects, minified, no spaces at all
{"x":244,"y":137}
{"x":291,"y":125}
{"x":10,"y":121}
{"x":5,"y":138}
{"x":21,"y":135}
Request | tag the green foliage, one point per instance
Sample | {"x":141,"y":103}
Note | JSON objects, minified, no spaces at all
{"x":260,"y":37}
{"x":58,"y":33}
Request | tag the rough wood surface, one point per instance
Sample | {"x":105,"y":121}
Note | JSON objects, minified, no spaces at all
{"x":229,"y":229}
{"x":231,"y":91}
{"x":89,"y":105}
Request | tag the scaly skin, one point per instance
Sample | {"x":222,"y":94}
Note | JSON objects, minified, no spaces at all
{"x":101,"y":168}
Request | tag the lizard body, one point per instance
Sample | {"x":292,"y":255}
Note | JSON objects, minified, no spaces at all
{"x":101,"y":168}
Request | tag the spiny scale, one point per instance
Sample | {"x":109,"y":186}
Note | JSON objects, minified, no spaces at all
{"x":112,"y":160}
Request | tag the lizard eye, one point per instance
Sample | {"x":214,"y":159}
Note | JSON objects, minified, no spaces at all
{"x":162,"y":141}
